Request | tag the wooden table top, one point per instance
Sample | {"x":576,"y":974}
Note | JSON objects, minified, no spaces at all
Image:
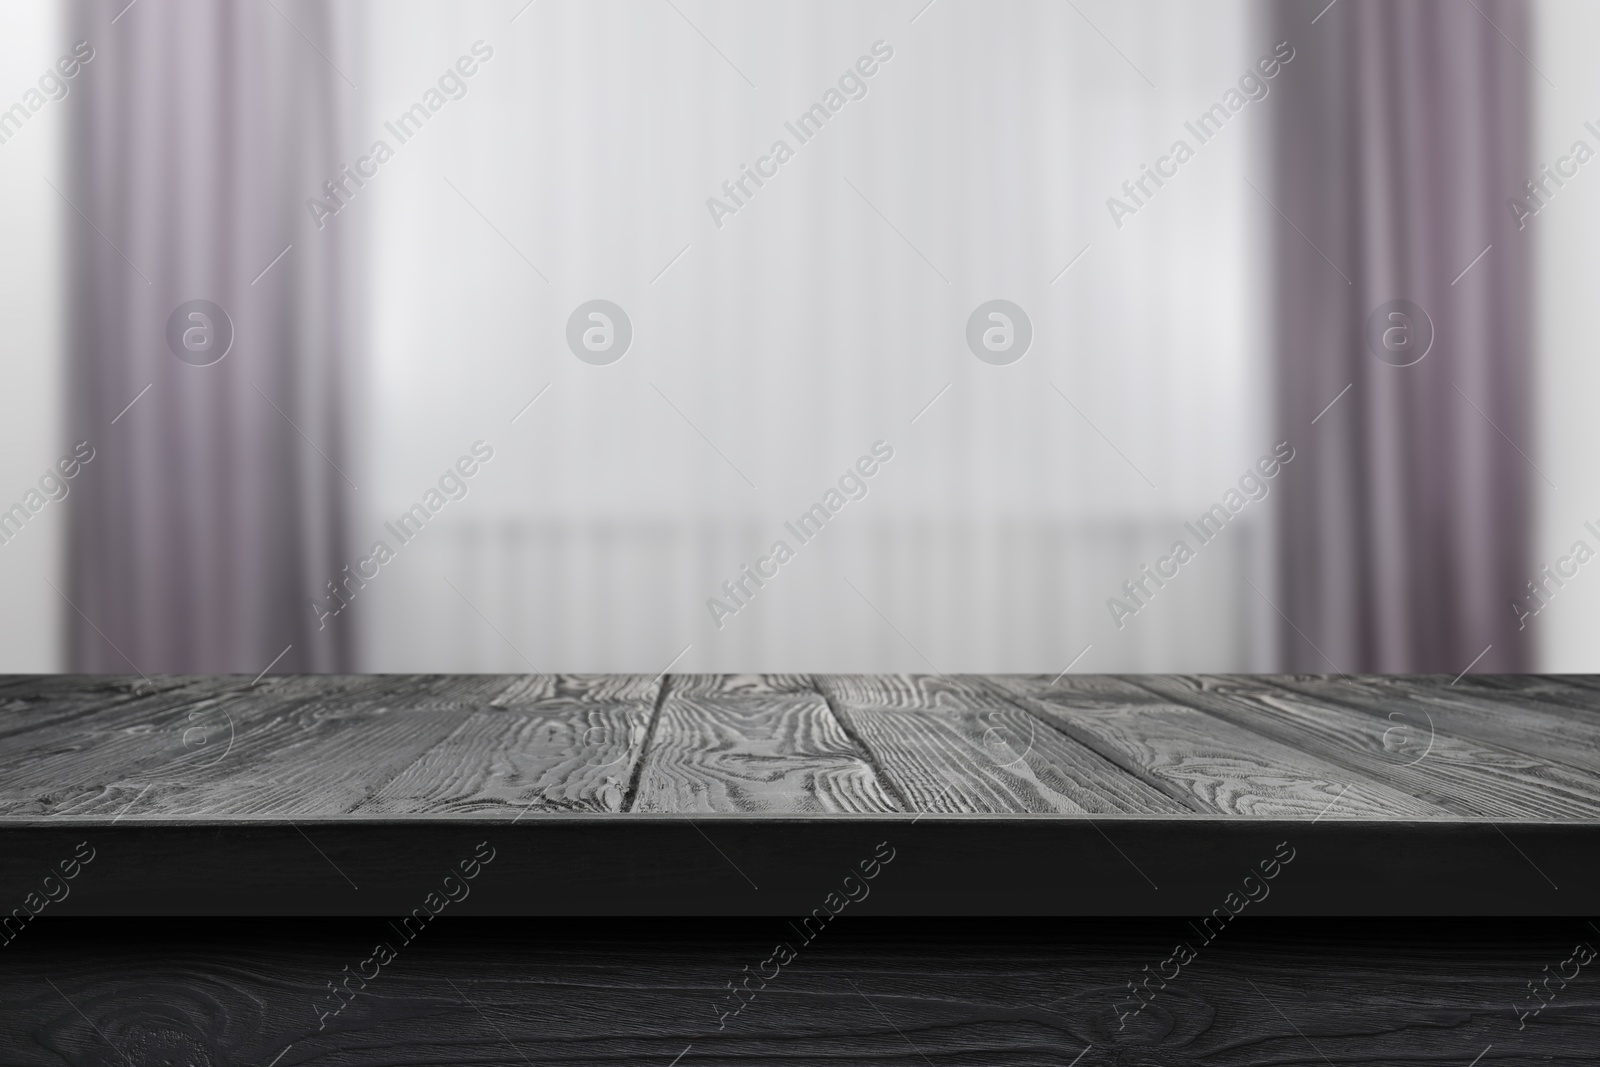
{"x":1174,"y":764}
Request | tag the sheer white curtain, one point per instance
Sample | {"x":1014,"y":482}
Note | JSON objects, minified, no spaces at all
{"x":1564,"y":236}
{"x":771,"y":352}
{"x":32,"y":37}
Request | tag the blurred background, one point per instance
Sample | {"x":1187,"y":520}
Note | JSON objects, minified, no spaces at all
{"x":278,"y":267}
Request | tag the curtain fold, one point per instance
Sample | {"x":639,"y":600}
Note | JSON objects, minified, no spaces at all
{"x":1399,"y":136}
{"x":217,"y":496}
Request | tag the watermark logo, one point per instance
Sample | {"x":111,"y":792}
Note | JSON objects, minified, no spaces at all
{"x":347,"y":181}
{"x":1540,"y":190}
{"x":1399,"y":333}
{"x":785,"y":953}
{"x":199,"y":332}
{"x":599,"y":332}
{"x":1583,"y":954}
{"x":1141,"y":995}
{"x":1207,"y":125}
{"x":454,"y":887}
{"x":741,"y":589}
{"x":452,"y":486}
{"x":37,"y":900}
{"x":209,"y":736}
{"x":999,"y":332}
{"x":1254,"y":485}
{"x":1410,"y":738}
{"x":602,"y":740}
{"x":52,"y":86}
{"x":1000,"y":741}
{"x":53,"y":486}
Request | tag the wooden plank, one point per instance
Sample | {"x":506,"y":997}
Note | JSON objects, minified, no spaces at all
{"x":40,"y":701}
{"x":31,"y":687}
{"x":1565,"y":692}
{"x":950,"y":744}
{"x":761,"y":746}
{"x":330,"y":754}
{"x":1420,"y":706}
{"x":549,"y":743}
{"x":78,"y":757}
{"x":1212,"y":763}
{"x":730,"y":685}
{"x":533,"y":690}
{"x":1464,"y":776}
{"x":1368,"y":994}
{"x":1584,"y":681}
{"x":304,"y":746}
{"x":219,"y":747}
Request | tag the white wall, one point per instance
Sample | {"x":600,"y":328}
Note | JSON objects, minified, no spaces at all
{"x":30,"y":339}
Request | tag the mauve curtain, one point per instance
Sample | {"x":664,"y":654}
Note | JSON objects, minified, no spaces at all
{"x":1400,"y":132}
{"x":215,"y":505}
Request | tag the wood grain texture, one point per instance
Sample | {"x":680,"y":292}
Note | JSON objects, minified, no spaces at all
{"x":760,"y":747}
{"x":950,"y":744}
{"x":291,"y":746}
{"x":733,"y":685}
{"x":1507,"y":719}
{"x":415,"y":745}
{"x":115,"y":733}
{"x":36,"y":701}
{"x":962,"y":994}
{"x":1573,"y":694}
{"x":1584,"y":681}
{"x":1458,"y":774}
{"x":1211,"y":763}
{"x":546,"y":743}
{"x":533,"y":690}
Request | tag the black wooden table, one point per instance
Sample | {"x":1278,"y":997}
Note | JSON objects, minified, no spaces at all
{"x":729,"y":795}
{"x":973,"y":871}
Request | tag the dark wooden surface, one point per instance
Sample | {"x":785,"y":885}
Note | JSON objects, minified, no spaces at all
{"x":182,"y":994}
{"x":355,"y":746}
{"x":1484,"y":790}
